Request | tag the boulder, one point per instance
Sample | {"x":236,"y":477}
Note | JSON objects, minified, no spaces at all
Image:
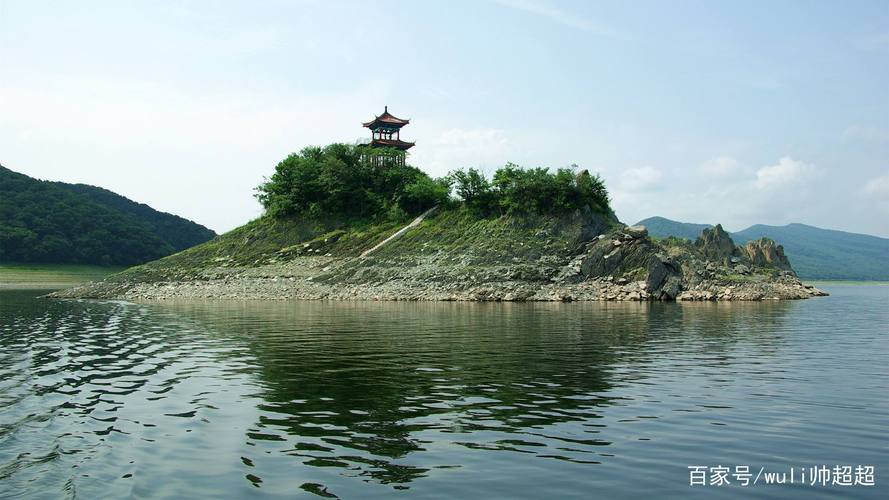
{"x":659,"y":269}
{"x":638,"y":231}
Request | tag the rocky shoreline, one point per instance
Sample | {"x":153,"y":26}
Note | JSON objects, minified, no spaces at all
{"x":281,"y":288}
{"x":608,"y":263}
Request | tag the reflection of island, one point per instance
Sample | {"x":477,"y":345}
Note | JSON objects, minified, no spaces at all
{"x":363,"y":386}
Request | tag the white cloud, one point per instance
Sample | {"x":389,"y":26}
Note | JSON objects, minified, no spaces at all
{"x":472,"y":137}
{"x":640,"y":179}
{"x":455,"y":148}
{"x":721,"y":166}
{"x":786,"y":172}
{"x":878,"y":186}
{"x":734,"y":195}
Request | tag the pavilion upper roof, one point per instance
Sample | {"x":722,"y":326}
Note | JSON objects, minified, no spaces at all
{"x":386,"y":120}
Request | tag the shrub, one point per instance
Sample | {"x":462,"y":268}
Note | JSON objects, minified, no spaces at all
{"x":535,"y":190}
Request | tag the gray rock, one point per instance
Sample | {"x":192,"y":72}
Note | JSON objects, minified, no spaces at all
{"x":638,"y":231}
{"x":659,"y":269}
{"x":715,"y":244}
{"x":671,"y":288}
{"x":766,"y":253}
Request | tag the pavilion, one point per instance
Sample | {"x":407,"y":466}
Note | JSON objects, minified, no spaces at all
{"x":386,"y":137}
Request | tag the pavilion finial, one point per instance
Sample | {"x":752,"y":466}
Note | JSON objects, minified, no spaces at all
{"x":385,"y":109}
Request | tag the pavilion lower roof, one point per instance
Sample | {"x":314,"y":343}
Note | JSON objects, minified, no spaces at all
{"x":392,"y":143}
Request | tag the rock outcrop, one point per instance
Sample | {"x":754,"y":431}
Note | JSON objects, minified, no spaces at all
{"x":716,"y":244}
{"x":766,"y":253}
{"x":626,"y":255}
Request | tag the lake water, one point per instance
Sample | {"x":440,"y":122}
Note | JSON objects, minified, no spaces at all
{"x":358,"y":400}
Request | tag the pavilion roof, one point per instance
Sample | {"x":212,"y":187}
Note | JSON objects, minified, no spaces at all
{"x":392,"y":143}
{"x":386,"y":119}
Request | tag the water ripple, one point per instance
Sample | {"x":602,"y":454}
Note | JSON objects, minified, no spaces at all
{"x":113,"y":399}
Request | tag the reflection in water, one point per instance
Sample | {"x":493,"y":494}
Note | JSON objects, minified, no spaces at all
{"x":355,"y":399}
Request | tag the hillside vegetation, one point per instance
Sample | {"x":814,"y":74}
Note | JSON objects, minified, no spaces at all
{"x":334,"y":182}
{"x":59,"y":223}
{"x":816,"y":253}
{"x":327,"y":202}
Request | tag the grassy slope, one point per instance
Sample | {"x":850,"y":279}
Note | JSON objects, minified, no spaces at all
{"x":264,"y":241}
{"x":50,"y":275}
{"x":451,"y":232}
{"x":459,"y":244}
{"x":488,"y":240}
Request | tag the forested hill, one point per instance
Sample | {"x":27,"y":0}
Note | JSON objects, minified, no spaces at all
{"x":56,"y":222}
{"x":827,"y":253}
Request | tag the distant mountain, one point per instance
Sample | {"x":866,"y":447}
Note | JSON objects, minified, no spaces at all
{"x":826,"y":253}
{"x":661,"y":227}
{"x":815,"y":253}
{"x":55,"y":222}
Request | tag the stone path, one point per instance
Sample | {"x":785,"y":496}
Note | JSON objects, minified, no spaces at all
{"x":400,"y":232}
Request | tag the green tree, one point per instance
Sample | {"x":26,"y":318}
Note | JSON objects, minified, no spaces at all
{"x":337,"y":181}
{"x":470,"y":185}
{"x":424,"y":193}
{"x":592,"y":191}
{"x":516,"y":190}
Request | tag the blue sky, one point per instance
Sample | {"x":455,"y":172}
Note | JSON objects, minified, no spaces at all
{"x":732,"y":112}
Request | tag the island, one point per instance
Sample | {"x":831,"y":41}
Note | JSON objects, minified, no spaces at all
{"x":356,"y":222}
